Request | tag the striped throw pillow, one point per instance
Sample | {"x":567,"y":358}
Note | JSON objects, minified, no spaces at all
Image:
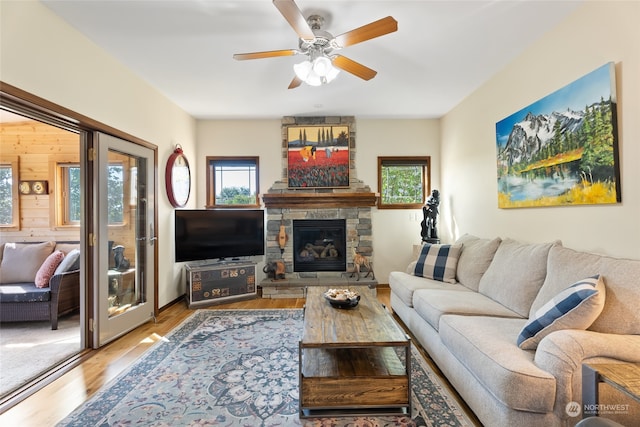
{"x":576,"y":307}
{"x":438,"y":262}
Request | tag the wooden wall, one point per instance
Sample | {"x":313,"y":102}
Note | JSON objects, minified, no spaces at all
{"x":39,"y":147}
{"x":36,"y":145}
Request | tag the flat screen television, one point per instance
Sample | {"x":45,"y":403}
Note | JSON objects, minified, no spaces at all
{"x":218,"y":234}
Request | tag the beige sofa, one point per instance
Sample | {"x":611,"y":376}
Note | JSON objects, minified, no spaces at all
{"x":502,"y":291}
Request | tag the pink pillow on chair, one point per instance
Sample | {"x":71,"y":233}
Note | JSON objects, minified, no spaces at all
{"x":47,"y":269}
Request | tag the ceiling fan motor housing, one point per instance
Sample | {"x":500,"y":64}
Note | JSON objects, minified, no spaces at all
{"x":322,"y":42}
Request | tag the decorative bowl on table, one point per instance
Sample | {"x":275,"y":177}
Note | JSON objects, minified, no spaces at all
{"x":342,"y":298}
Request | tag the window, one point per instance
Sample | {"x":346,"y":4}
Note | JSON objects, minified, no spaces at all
{"x":403,"y":182}
{"x":115,"y":194}
{"x":232,"y":182}
{"x":9,"y":208}
{"x":68,"y":192}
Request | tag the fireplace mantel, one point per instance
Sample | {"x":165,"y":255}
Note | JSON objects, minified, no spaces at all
{"x":319,"y":200}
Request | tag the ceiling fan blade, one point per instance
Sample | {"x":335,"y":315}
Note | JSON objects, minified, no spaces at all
{"x":367,"y":32}
{"x":295,"y":83}
{"x":295,"y":18}
{"x":353,"y":67}
{"x":265,"y":54}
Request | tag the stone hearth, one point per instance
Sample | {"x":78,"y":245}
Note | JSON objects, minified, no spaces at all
{"x":283,"y":205}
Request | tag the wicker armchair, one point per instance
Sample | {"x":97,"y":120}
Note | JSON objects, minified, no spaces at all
{"x":22,"y":302}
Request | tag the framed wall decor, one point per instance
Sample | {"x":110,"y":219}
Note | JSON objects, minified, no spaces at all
{"x":318,"y":156}
{"x":33,"y":187}
{"x":562,"y":149}
{"x":178,"y":178}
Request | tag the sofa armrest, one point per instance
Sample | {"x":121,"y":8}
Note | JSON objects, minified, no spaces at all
{"x":59,"y":282}
{"x":564,"y":351}
{"x":65,"y":294}
{"x":561,"y":353}
{"x":411,"y":268}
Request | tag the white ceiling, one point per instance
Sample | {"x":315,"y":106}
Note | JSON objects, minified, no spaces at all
{"x":442,"y":51}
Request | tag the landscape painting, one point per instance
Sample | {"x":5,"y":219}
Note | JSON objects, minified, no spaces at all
{"x":562,"y":149}
{"x":318,"y":156}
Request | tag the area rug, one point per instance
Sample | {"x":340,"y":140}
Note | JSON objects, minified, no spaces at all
{"x":238,"y":368}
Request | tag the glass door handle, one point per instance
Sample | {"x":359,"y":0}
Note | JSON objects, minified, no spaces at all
{"x":151,"y":239}
{"x":152,"y":233}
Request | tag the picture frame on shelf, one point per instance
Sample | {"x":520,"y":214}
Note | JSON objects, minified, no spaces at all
{"x":33,"y":187}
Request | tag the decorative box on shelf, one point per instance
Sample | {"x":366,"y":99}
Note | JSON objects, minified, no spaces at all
{"x":215,"y":283}
{"x":122,"y":286}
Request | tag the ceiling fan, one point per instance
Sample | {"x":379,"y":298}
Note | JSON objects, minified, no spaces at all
{"x":322,"y":64}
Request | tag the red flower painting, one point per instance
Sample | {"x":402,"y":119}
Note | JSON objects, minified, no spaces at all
{"x":318,"y":156}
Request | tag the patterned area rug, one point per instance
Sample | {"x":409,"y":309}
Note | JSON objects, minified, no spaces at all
{"x":238,"y":368}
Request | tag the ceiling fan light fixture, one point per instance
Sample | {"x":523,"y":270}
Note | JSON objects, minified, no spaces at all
{"x":322,"y":66}
{"x":332,"y":74}
{"x":317,"y":72}
{"x":302,"y":69}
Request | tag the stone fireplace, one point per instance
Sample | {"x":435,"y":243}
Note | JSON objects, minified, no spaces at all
{"x":288,"y":207}
{"x":319,"y":245}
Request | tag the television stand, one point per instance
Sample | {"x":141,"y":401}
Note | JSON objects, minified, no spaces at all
{"x":219,"y":282}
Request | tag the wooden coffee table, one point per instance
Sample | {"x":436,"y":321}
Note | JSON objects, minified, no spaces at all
{"x":349,"y":359}
{"x":624,"y":377}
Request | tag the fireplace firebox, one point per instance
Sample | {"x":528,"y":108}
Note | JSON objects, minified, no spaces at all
{"x":319,"y":245}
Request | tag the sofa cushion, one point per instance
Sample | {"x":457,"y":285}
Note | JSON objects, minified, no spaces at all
{"x":47,"y":269}
{"x":516,"y":274}
{"x":475,"y":258}
{"x":431,"y":304}
{"x":21,"y":261}
{"x":70,"y":262}
{"x":486,"y":346}
{"x":620,"y":314}
{"x":24,"y":292}
{"x":404,"y":285}
{"x":438,"y":262}
{"x":573,"y":308}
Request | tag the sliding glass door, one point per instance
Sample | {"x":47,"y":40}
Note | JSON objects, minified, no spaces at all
{"x":124,"y":238}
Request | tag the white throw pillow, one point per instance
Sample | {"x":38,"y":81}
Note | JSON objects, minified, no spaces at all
{"x":70,"y":262}
{"x":21,"y":261}
{"x":576,"y":307}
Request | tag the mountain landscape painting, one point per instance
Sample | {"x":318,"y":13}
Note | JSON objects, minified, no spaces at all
{"x":562,"y":149}
{"x":318,"y":156}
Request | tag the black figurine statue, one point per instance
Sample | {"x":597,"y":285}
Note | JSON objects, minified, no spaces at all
{"x":429,"y":231}
{"x":121,"y":263}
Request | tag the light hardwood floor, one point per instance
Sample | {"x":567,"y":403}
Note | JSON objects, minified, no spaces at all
{"x":55,"y":401}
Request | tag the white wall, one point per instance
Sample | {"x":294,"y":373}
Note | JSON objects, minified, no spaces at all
{"x":597,"y":33}
{"x":395,"y":231}
{"x":260,"y":138}
{"x":44,"y":56}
